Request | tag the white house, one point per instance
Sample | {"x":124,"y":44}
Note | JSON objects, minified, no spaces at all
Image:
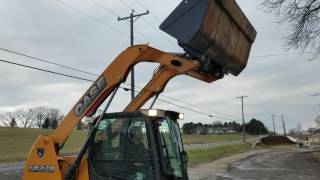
{"x":314,"y":139}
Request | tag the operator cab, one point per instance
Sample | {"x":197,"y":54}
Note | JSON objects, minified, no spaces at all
{"x":138,"y":145}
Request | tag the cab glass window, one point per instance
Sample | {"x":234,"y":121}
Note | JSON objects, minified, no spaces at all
{"x":171,"y":145}
{"x":121,"y":150}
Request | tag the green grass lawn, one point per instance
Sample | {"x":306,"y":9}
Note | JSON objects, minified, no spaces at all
{"x":203,"y":139}
{"x":206,"y":155}
{"x":16,"y":142}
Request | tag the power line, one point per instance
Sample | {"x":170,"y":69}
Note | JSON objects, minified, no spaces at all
{"x":199,"y":112}
{"x":103,"y":7}
{"x":89,"y":80}
{"x":116,"y":15}
{"x":159,"y":32}
{"x":44,"y":70}
{"x":151,"y":13}
{"x":91,"y":17}
{"x":140,"y":4}
{"x":147,"y":8}
{"x":47,"y":61}
{"x":184,"y":102}
{"x":86,"y":72}
{"x":126,"y":4}
{"x":141,"y":34}
{"x":178,"y":100}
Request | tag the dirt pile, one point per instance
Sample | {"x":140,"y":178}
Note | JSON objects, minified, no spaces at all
{"x":275,"y":141}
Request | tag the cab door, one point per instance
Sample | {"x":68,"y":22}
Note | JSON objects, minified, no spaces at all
{"x":121,"y":150}
{"x":173,"y":156}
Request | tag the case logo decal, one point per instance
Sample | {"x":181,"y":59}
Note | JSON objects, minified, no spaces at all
{"x":90,"y":96}
{"x":40,"y":152}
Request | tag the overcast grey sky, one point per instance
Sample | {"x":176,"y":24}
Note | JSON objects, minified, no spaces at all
{"x":51,"y":30}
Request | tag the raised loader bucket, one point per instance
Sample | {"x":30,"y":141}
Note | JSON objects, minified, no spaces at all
{"x":215,"y":32}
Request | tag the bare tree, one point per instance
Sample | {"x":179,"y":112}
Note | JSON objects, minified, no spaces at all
{"x":304,"y":18}
{"x":39,"y":115}
{"x":32,"y":117}
{"x":312,"y":130}
{"x":54,"y":116}
{"x":53,"y":113}
{"x":24,"y":117}
{"x":6,"y":118}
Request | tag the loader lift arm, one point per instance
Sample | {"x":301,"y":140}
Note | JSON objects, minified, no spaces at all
{"x":117,"y":72}
{"x":111,"y":78}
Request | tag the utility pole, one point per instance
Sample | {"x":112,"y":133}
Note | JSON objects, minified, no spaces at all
{"x":243,"y":123}
{"x":274,"y":127}
{"x":284,"y":126}
{"x":132,"y":20}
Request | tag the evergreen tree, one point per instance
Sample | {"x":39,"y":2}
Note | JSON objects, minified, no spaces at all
{"x":188,"y":128}
{"x":13,"y":122}
{"x":46,"y":123}
{"x":256,"y":127}
{"x":54,"y":123}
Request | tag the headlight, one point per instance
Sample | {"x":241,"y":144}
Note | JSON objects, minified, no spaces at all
{"x":152,"y":112}
{"x":181,"y":116}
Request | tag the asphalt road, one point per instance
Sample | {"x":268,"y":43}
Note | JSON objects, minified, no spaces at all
{"x":13,"y":171}
{"x":274,"y":165}
{"x":212,"y":145}
{"x":296,"y":165}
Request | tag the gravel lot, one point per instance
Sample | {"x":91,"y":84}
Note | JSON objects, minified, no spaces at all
{"x":277,"y":164}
